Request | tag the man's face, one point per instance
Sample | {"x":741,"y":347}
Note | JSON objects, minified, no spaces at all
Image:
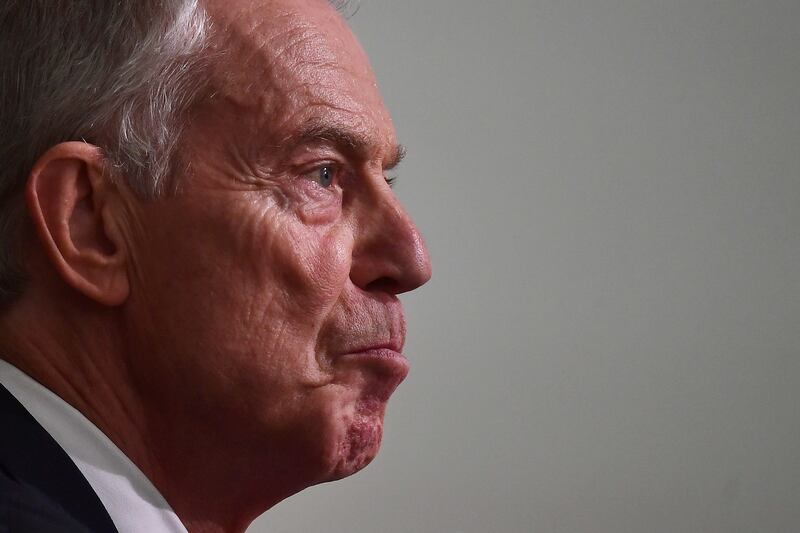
{"x":264,"y":319}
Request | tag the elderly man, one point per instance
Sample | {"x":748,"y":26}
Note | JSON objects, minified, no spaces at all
{"x":201,"y":257}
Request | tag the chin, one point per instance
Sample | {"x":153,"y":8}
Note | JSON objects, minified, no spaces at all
{"x":357,"y":445}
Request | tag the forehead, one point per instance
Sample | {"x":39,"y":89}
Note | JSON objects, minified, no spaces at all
{"x":283,"y":63}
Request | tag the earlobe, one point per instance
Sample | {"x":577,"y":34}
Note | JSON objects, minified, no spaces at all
{"x":70,"y":199}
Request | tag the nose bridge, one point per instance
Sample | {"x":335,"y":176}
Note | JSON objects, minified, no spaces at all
{"x":390,"y":251}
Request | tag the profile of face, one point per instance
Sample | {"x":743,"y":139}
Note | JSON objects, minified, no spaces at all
{"x":263,"y":316}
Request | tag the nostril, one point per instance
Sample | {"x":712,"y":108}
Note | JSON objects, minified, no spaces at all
{"x":384,"y":284}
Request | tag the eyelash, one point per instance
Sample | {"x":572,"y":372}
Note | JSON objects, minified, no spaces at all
{"x":338,"y":170}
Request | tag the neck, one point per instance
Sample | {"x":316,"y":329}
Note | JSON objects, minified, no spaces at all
{"x":73,"y":354}
{"x":81,"y":353}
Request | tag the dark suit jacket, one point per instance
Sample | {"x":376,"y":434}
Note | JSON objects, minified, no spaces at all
{"x":41,"y":489}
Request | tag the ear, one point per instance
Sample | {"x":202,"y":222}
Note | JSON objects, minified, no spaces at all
{"x":70,"y":201}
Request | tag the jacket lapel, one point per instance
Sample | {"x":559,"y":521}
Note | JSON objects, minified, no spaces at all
{"x":32,"y":457}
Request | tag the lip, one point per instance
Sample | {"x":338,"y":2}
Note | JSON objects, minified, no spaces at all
{"x":391,"y":345}
{"x":385,"y":360}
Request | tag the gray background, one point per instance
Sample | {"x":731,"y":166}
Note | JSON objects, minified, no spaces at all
{"x":610,"y":191}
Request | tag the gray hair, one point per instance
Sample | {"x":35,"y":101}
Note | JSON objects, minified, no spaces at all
{"x":117,"y":74}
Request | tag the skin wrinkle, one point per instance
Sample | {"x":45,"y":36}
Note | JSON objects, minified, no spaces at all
{"x":314,"y":47}
{"x":93,"y":386}
{"x":297,"y":284}
{"x":86,"y":389}
{"x":338,"y":135}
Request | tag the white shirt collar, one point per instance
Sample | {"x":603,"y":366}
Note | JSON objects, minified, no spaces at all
{"x":132,"y":502}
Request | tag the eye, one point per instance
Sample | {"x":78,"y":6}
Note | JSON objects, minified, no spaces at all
{"x":324,"y":175}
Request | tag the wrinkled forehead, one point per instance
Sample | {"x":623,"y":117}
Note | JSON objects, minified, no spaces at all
{"x":293,"y":60}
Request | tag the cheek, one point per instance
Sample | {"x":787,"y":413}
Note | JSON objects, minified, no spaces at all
{"x":312,"y":263}
{"x":325,"y":258}
{"x":284,"y":290}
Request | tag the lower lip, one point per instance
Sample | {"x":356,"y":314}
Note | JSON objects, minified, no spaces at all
{"x":382,"y":360}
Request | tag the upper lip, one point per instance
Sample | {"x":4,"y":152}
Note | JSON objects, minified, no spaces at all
{"x":381,"y":328}
{"x":395,"y":345}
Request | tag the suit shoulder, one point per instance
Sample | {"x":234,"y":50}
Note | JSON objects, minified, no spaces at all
{"x":24,"y":509}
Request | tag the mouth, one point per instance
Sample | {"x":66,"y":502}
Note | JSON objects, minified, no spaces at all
{"x":384,"y":362}
{"x":383,"y":358}
{"x":367,"y":343}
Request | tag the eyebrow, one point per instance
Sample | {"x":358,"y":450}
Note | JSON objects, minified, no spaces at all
{"x":347,"y":141}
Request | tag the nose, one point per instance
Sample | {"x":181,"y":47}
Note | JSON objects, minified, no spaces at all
{"x":389,"y":254}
